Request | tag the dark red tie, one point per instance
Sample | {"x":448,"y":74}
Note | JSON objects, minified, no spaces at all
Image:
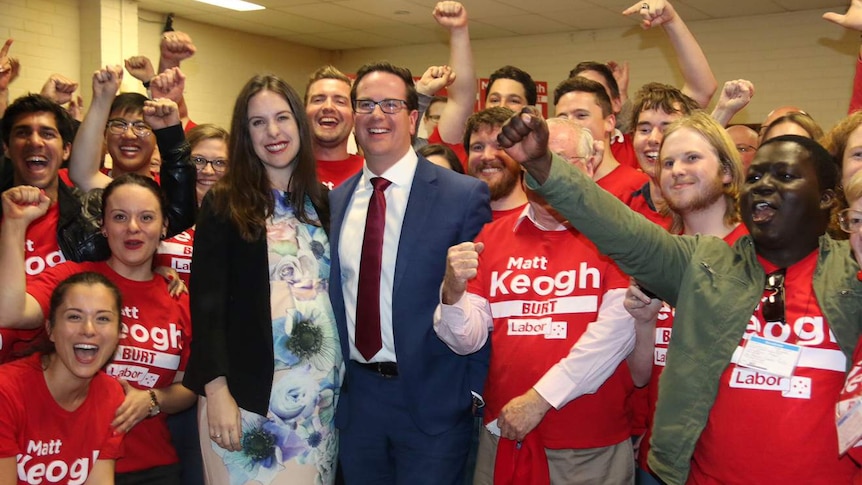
{"x":368,"y":339}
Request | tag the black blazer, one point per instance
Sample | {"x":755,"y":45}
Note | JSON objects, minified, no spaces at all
{"x":230,"y":308}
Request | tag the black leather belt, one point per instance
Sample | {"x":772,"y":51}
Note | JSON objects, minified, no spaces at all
{"x":385,"y":369}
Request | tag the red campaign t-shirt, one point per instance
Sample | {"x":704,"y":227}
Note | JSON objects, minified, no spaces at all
{"x":51,"y":444}
{"x":41,"y":251}
{"x":458,"y":148}
{"x":544,"y":289}
{"x":624,"y":151}
{"x":63,"y":173}
{"x":766,"y":429}
{"x":663,"y":331}
{"x":332,"y":173}
{"x":622,"y":182}
{"x":154,"y":346}
{"x":176,"y":253}
{"x":639,"y":204}
{"x":506,"y":212}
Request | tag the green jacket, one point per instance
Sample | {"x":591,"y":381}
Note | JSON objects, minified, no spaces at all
{"x":714,"y":287}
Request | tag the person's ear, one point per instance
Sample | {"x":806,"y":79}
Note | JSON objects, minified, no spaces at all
{"x":828,"y":200}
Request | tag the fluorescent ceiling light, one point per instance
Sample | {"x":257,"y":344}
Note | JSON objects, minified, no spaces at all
{"x":238,"y":5}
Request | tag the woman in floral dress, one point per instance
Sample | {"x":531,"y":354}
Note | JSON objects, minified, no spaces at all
{"x":265,"y":358}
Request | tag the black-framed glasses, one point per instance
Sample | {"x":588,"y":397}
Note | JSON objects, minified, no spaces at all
{"x":772,"y":306}
{"x":219,"y":164}
{"x":388,"y":106}
{"x":139,"y":128}
{"x":850,"y":220}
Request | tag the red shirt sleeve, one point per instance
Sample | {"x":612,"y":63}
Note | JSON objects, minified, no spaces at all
{"x":856,"y":95}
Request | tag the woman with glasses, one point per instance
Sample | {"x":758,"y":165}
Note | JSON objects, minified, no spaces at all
{"x":265,"y":359}
{"x":850,"y":220}
{"x":209,"y":156}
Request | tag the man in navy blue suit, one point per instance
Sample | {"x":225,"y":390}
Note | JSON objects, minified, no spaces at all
{"x":405,"y":411}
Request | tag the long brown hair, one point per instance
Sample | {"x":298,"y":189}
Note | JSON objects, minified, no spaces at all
{"x":244,"y":194}
{"x":728,"y":159}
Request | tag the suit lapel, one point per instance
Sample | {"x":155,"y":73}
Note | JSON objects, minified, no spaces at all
{"x":413,"y":228}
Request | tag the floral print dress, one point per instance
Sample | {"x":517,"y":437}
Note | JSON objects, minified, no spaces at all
{"x":296,"y":442}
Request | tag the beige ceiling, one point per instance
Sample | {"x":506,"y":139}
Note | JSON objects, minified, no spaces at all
{"x":353,"y":24}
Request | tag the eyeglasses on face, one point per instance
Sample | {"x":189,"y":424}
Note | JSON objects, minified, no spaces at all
{"x":850,"y":220}
{"x":388,"y":106}
{"x":745,"y":148}
{"x":772,"y":306}
{"x":219,"y":164}
{"x":139,"y":128}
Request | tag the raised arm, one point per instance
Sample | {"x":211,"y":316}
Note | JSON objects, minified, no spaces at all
{"x":852,"y":19}
{"x":462,"y":91}
{"x":59,"y":88}
{"x":177,"y":173}
{"x":699,"y":81}
{"x":734,"y":97}
{"x":87,"y":153}
{"x":462,"y":320}
{"x":21,"y":206}
{"x":175,"y":47}
{"x":640,"y":248}
{"x":171,"y":84}
{"x":9,"y":68}
{"x":433,"y":80}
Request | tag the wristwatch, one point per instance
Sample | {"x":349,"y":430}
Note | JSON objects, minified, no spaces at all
{"x":154,"y":404}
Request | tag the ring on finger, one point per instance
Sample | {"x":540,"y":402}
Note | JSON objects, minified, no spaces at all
{"x":644,"y":6}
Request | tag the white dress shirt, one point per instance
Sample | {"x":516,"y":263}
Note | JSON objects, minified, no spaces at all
{"x":350,"y":248}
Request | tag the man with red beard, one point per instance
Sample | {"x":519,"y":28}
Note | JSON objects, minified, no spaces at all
{"x":700,"y":175}
{"x":488,"y":162}
{"x":763,"y":329}
{"x":550,"y":305}
{"x":327,"y":105}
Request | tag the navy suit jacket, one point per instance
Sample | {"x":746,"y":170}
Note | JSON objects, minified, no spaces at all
{"x":444,"y":208}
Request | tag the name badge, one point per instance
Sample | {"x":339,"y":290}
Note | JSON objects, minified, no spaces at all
{"x":771,"y":356}
{"x":849,"y":428}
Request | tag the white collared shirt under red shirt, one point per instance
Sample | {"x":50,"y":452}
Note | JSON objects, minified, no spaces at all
{"x":154,"y":346}
{"x":41,"y":251}
{"x":663,"y":332}
{"x":554,"y":301}
{"x":766,"y":429}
